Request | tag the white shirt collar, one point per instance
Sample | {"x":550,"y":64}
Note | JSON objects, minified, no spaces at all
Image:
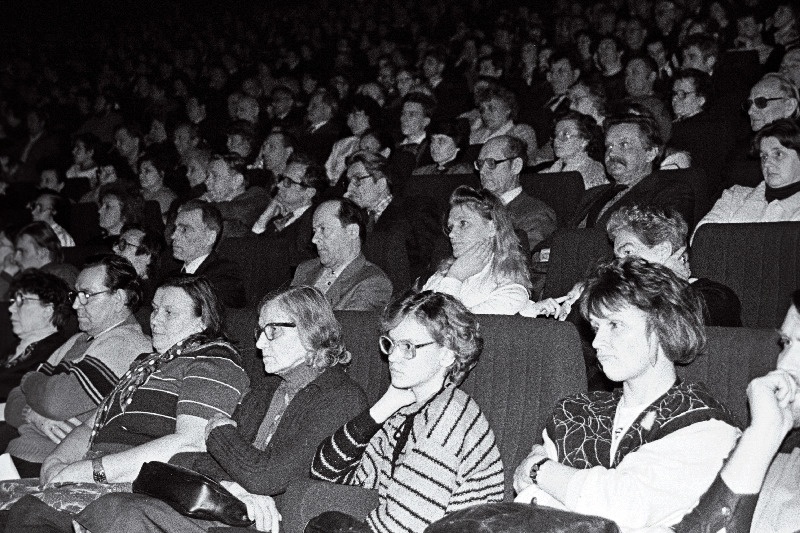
{"x":509,"y":196}
{"x":192,"y":266}
{"x":415,"y":140}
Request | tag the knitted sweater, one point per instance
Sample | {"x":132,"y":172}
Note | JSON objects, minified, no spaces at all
{"x":450,"y":462}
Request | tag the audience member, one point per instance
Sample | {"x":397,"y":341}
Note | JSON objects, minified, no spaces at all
{"x":84,"y":149}
{"x":414,"y":150}
{"x":37,"y":246}
{"x":447,"y":143}
{"x":227,"y":185}
{"x":364,"y":113}
{"x":321,"y":129}
{"x":40,"y":146}
{"x":198,"y":230}
{"x":46,"y":208}
{"x":577,"y":147}
{"x":119,"y":204}
{"x":142,"y":247}
{"x":341,"y":272}
{"x":152,"y":171}
{"x":640,"y":79}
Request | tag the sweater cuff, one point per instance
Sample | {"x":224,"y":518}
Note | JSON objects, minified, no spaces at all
{"x":220,"y":438}
{"x":363,"y":427}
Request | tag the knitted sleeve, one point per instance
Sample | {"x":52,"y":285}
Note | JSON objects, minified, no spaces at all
{"x":339,"y":455}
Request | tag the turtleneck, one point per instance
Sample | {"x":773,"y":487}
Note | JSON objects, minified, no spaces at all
{"x":781,"y":193}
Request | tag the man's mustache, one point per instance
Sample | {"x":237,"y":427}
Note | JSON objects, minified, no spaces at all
{"x":613,"y":159}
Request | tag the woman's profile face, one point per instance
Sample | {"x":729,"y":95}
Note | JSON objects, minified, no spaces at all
{"x":779,"y":165}
{"x":149,"y":176}
{"x":110,"y":213}
{"x":285,"y":350}
{"x":467,"y":228}
{"x":624,"y":348}
{"x":173,"y":318}
{"x":31,"y":316}
{"x":568,"y":141}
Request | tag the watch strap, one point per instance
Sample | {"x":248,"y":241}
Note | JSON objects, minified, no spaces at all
{"x":98,"y":472}
{"x":535,"y":468}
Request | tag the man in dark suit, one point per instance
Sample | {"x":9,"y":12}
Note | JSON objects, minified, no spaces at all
{"x":287,"y":219}
{"x":40,"y":147}
{"x":553,"y":97}
{"x":198,"y":227}
{"x":414,"y":150}
{"x":321,"y":129}
{"x":500,"y":162}
{"x":451,"y":92}
{"x":341,"y":271}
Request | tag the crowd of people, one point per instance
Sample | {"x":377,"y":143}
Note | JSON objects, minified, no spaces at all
{"x":131,"y":158}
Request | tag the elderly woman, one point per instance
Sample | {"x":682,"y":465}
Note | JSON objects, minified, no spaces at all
{"x":119,"y":204}
{"x":446,"y":144}
{"x":274,"y":433}
{"x":487,"y":271}
{"x":152,"y":170}
{"x":498,"y":110}
{"x":40,"y":316}
{"x":643,"y":455}
{"x":577,"y":144}
{"x":776,"y":198}
{"x":397,"y":446}
{"x":143,"y":248}
{"x":161,"y":406}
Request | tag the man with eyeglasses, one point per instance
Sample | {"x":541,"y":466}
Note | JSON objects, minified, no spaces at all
{"x":500,"y":162}
{"x":53,"y":400}
{"x":287,"y":218}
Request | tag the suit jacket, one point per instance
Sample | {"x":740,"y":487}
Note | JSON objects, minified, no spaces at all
{"x":362,"y":286}
{"x":226,"y":278}
{"x":12,"y":375}
{"x":318,"y":145}
{"x":417,"y":225}
{"x":533,"y":217}
{"x":241,"y":213}
{"x":294,"y":239}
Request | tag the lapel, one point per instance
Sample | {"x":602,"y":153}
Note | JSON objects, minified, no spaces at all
{"x":343,"y":283}
{"x":206,"y":263}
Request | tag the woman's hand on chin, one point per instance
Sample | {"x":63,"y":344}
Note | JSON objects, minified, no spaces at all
{"x":472,"y":261}
{"x":392,"y":400}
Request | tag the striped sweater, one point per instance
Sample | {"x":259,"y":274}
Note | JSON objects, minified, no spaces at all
{"x":450,"y":462}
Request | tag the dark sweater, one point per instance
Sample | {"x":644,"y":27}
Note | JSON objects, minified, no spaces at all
{"x":314,"y":413}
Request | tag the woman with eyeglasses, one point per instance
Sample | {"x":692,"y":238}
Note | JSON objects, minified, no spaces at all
{"x":271,"y":439}
{"x":577,"y":144}
{"x":51,"y":207}
{"x":143,"y":248}
{"x":775,"y":199}
{"x":487,"y":271}
{"x":42,"y":319}
{"x":425,"y":446}
{"x":159,"y":407}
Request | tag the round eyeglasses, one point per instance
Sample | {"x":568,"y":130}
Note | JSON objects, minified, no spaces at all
{"x":83,"y":296}
{"x":270,"y":329}
{"x":407,"y":348}
{"x":19,"y":299}
{"x":490,"y":163}
{"x":123,"y":245}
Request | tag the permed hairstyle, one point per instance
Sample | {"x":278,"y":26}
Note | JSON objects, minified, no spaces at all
{"x":508,"y":261}
{"x":449,"y":323}
{"x":49,"y":289}
{"x":319,"y":331}
{"x":650,"y":224}
{"x":674,"y":310}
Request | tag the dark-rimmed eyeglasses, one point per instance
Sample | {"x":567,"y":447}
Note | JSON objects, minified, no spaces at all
{"x":123,"y":245}
{"x":83,"y":296}
{"x":760,"y":102}
{"x":407,"y":348}
{"x":356,"y":180}
{"x":270,"y":329}
{"x":490,"y":163}
{"x":19,"y":299}
{"x":681,"y":95}
{"x":287,"y":181}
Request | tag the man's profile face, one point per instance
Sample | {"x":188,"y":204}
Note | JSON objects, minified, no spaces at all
{"x":98,"y":313}
{"x":502,"y":177}
{"x":628,"y":159}
{"x":191,"y":238}
{"x":693,"y":58}
{"x":330,"y":236}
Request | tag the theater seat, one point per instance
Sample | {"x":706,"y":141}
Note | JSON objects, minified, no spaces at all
{"x":264,"y":266}
{"x":83,"y":222}
{"x":573,"y":252}
{"x":759,"y":261}
{"x":562,"y":191}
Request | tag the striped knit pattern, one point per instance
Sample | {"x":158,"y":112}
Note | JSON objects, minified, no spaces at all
{"x":200,"y":383}
{"x":95,"y":378}
{"x":451,"y":462}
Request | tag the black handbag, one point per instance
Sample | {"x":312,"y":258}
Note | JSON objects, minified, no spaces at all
{"x":190,"y":493}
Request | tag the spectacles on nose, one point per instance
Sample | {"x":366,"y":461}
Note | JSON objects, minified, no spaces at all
{"x":83,"y":296}
{"x":407,"y":348}
{"x":39,"y":206}
{"x":760,"y":102}
{"x":681,"y":95}
{"x":490,"y":163}
{"x":565,"y":135}
{"x":123,"y":245}
{"x":356,"y":180}
{"x":286,"y":181}
{"x":270,"y":329}
{"x":19,"y":299}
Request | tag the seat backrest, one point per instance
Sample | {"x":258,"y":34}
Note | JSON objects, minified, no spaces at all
{"x":239,"y":324}
{"x":560,"y":190}
{"x":439,"y":187}
{"x":573,"y":252}
{"x":697,"y":179}
{"x":264,"y":264}
{"x":735,"y":356}
{"x":527,"y":365}
{"x":83,"y":222}
{"x":388,"y":251}
{"x":759,"y":261}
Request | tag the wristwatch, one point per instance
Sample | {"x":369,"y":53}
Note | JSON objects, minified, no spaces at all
{"x":98,"y":472}
{"x":535,"y":468}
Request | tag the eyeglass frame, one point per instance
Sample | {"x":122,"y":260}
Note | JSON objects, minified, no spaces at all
{"x":750,"y":102}
{"x":490,"y":162}
{"x":681,"y":95}
{"x":122,"y":244}
{"x":258,"y":330}
{"x":356,"y":180}
{"x":19,"y":299}
{"x":408,"y":354}
{"x":282,"y":178}
{"x":84,"y":300}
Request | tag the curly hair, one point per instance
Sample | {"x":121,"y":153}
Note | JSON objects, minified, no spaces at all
{"x":450,"y":324}
{"x":508,"y":261}
{"x":319,"y":331}
{"x":650,"y":224}
{"x":674,"y":310}
{"x":49,"y":289}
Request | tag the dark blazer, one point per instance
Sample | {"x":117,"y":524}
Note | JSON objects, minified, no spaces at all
{"x":533,"y":217}
{"x":415,"y":223}
{"x":708,"y":140}
{"x":11,"y":376}
{"x":294,"y":239}
{"x":241,"y":213}
{"x":362,"y":286}
{"x":226,"y":279}
{"x":315,"y":413}
{"x":318,"y":144}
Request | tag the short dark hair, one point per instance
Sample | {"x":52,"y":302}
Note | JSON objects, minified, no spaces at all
{"x":234,"y":161}
{"x":89,"y":141}
{"x":314,"y":175}
{"x":785,"y":130}
{"x":120,"y":275}
{"x":673,"y":308}
{"x":708,"y":46}
{"x":210,"y":214}
{"x":366,"y":104}
{"x":49,"y":289}
{"x":207,"y":304}
{"x":447,"y":320}
{"x":375,"y":164}
{"x":428,"y":103}
{"x":350,"y":213}
{"x":503,"y":94}
{"x":700,"y":80}
{"x":796,"y":299}
{"x":152,"y":244}
{"x":649,"y":62}
{"x":131,"y":202}
{"x":44,"y":237}
{"x":589,"y":130}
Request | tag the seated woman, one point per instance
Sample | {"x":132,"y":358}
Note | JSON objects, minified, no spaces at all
{"x":152,"y":172}
{"x":425,"y":446}
{"x":775,"y":199}
{"x":364,"y":113}
{"x":447,"y":141}
{"x":36,"y":245}
{"x":273,"y":435}
{"x":41,"y":316}
{"x":51,"y":207}
{"x":487,"y":271}
{"x":577,"y":144}
{"x":119,"y":204}
{"x":143,"y":248}
{"x":160,"y":407}
{"x":644,"y":454}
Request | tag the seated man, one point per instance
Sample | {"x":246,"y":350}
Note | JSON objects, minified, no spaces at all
{"x":288,"y":216}
{"x":239,"y":205}
{"x":49,"y":402}
{"x":777,"y":198}
{"x":500,"y":162}
{"x":198,"y":227}
{"x":341,"y":272}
